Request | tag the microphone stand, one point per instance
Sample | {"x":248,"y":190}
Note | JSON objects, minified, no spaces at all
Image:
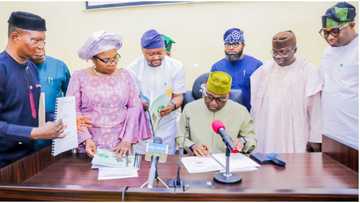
{"x":177,"y":182}
{"x":149,"y":185}
{"x":227,"y":177}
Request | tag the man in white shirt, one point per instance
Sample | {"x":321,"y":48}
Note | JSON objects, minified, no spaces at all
{"x":339,"y":70}
{"x":157,"y":74}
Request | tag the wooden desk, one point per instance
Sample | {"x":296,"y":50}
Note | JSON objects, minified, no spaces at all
{"x":341,"y":153}
{"x":307,"y":177}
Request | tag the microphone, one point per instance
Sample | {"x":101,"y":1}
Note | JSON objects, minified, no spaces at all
{"x":219,"y":128}
{"x":227,"y":177}
{"x":155,"y":152}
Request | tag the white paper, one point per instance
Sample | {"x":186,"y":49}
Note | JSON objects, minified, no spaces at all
{"x":107,"y":173}
{"x":217,"y":162}
{"x":195,"y":164}
{"x":42,"y":110}
{"x":67,"y":112}
{"x":238,"y":162}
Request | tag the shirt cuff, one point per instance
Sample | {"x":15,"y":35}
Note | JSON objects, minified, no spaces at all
{"x":188,"y":144}
{"x":18,"y":130}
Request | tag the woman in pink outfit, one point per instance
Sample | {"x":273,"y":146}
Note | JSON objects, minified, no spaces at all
{"x":108,"y":97}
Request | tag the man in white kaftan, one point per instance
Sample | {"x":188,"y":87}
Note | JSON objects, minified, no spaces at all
{"x":285,"y":99}
{"x":157,"y":74}
{"x":339,"y":70}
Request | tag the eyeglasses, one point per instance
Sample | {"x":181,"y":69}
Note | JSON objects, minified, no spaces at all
{"x":114,"y":59}
{"x":282,"y":52}
{"x":233,"y":45}
{"x":325,"y":32}
{"x":217,"y":99}
{"x":37,"y":42}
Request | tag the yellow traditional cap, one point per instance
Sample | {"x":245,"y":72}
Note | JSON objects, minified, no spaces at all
{"x":219,"y":82}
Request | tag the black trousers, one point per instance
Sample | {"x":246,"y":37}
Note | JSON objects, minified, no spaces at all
{"x":14,"y":148}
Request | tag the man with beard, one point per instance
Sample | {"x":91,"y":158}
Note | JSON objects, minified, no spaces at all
{"x":195,"y":122}
{"x":157,"y":74}
{"x":339,"y":69}
{"x":285,"y":100}
{"x":240,"y":66}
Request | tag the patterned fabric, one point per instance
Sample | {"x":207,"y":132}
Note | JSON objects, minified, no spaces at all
{"x":168,"y":42}
{"x":99,"y":42}
{"x":112,"y":104}
{"x":233,"y":35}
{"x":219,"y":82}
{"x":151,"y":39}
{"x":338,"y":15}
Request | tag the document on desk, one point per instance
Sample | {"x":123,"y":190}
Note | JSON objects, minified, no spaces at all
{"x":194,"y":164}
{"x":217,"y":162}
{"x":238,"y":162}
{"x":112,"y":167}
{"x":107,"y":173}
{"x":107,"y":158}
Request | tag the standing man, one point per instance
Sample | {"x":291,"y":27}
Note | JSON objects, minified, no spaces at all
{"x":20,"y":89}
{"x":339,"y":68}
{"x":240,"y":66}
{"x":285,"y":100}
{"x":157,"y":74}
{"x":195,"y":131}
{"x":54,"y":78}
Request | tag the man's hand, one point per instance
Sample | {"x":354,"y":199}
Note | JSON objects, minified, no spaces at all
{"x":83,"y":122}
{"x":123,"y":148}
{"x":50,"y":130}
{"x":90,"y":147}
{"x":168,"y":109}
{"x":200,"y":150}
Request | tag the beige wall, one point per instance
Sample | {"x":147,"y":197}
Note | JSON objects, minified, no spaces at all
{"x":196,"y":27}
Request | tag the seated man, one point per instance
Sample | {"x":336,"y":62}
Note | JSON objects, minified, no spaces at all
{"x":195,"y":132}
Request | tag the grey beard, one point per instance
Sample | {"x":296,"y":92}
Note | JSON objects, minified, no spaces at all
{"x":234,"y":57}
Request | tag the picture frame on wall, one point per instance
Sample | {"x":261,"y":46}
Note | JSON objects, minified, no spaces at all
{"x":118,"y":4}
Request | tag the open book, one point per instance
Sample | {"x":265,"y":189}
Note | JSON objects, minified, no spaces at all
{"x":216,"y":162}
{"x":155,"y":107}
{"x":65,"y":110}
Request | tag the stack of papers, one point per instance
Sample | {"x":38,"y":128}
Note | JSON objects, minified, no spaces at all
{"x":217,"y":162}
{"x":112,"y":167}
{"x":66,"y":111}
